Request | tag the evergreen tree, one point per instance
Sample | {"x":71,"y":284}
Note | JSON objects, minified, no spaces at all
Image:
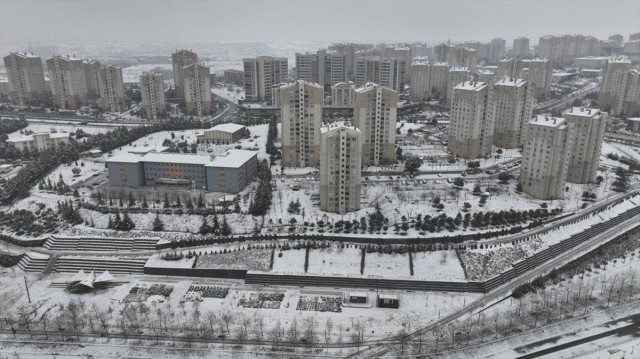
{"x":110,"y":223}
{"x":100,"y":199}
{"x":178,"y":202}
{"x":131,"y":200}
{"x":126,"y":224}
{"x":200,"y":201}
{"x":116,"y":221}
{"x":110,"y":200}
{"x":166,"y":203}
{"x":76,"y":194}
{"x":144,"y":202}
{"x":204,"y":227}
{"x":158,"y":226}
{"x":226,"y":229}
{"x":189,"y":203}
{"x":216,"y":226}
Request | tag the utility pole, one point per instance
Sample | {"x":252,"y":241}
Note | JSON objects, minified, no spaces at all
{"x":27,"y":287}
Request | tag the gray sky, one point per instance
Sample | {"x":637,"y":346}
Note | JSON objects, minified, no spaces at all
{"x":312,"y":21}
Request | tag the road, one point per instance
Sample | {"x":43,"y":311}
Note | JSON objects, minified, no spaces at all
{"x":616,"y":136}
{"x":231,"y":109}
{"x":565,"y":102}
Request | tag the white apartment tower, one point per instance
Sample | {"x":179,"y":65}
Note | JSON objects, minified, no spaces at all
{"x":496,"y":50}
{"x":439,"y":80}
{"x":456,"y":56}
{"x":301,"y":116}
{"x":374,"y":113}
{"x":509,"y":68}
{"x":179,"y":60}
{"x":261,"y":73}
{"x":152,"y":90}
{"x":420,"y":80}
{"x":340,"y":165}
{"x":631,"y":104}
{"x":68,"y":82}
{"x":588,"y":130}
{"x":540,"y":72}
{"x":197,"y":89}
{"x":472,"y":121}
{"x":111,"y":89}
{"x":546,"y":156}
{"x":457,"y":75}
{"x":26,"y":78}
{"x":342,"y":94}
{"x":324,"y":68}
{"x":386,"y":72}
{"x":484,"y":75}
{"x":513,"y":105}
{"x":520,"y":48}
{"x":614,"y":83}
{"x":91,"y":71}
{"x":564,"y":49}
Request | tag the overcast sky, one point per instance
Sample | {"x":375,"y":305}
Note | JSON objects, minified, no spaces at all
{"x":312,"y":21}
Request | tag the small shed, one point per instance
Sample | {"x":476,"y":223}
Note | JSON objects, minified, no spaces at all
{"x":95,"y":153}
{"x":358,"y":297}
{"x":388,"y":301}
{"x":5,"y":168}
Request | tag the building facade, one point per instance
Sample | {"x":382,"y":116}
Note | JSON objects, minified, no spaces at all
{"x":26,"y":78}
{"x":386,"y":72}
{"x":179,"y":60}
{"x":235,"y":77}
{"x":261,"y":73}
{"x":340,"y":166}
{"x":540,"y":73}
{"x":509,"y":68}
{"x":631,"y":103}
{"x":486,"y":76}
{"x":324,"y":68}
{"x":301,"y":118}
{"x":374,"y":114}
{"x":91,"y":74}
{"x":439,"y":80}
{"x":513,"y":104}
{"x":545,"y":157}
{"x":420,"y":80}
{"x":588,"y":132}
{"x":152,"y":91}
{"x":457,"y":75}
{"x":226,"y":133}
{"x":39,"y":141}
{"x":472,"y":121}
{"x":520,"y":48}
{"x":456,"y":56}
{"x":614,"y":83}
{"x":564,"y":49}
{"x":197,"y":89}
{"x":342,"y":94}
{"x":68,"y":82}
{"x":111,"y":89}
{"x":496,"y":50}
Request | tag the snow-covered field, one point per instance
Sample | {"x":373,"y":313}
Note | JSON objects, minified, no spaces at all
{"x":37,"y":128}
{"x":236,"y":93}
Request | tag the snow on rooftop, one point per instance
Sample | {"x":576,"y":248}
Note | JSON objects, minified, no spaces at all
{"x":226,"y":127}
{"x":459,"y":69}
{"x":634,"y":119}
{"x":124,"y":158}
{"x":175,"y":158}
{"x":582,"y":111}
{"x":331,"y":127}
{"x":511,"y":82}
{"x":440,"y":64}
{"x":471,"y":86}
{"x":232,"y":158}
{"x":143,"y":150}
{"x":620,"y":59}
{"x":544,"y":120}
{"x":30,"y":137}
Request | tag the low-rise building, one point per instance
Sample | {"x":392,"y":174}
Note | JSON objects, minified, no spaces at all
{"x":340,"y":166}
{"x":235,"y":77}
{"x":226,"y":133}
{"x":590,"y":62}
{"x":546,"y":156}
{"x":227,"y":172}
{"x":634,"y":124}
{"x":39,"y":141}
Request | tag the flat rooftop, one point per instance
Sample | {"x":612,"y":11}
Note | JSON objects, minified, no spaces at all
{"x":548,"y":121}
{"x":471,"y":86}
{"x":232,"y":159}
{"x":226,"y":127}
{"x":30,"y":137}
{"x":582,"y":111}
{"x":324,"y":129}
{"x":511,"y":82}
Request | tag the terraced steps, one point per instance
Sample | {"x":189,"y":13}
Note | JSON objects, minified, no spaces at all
{"x":33,"y":263}
{"x":115,"y":265}
{"x":99,"y":244}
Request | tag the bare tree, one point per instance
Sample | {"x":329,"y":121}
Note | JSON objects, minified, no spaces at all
{"x":227,"y":318}
{"x":44,"y":323}
{"x":25,"y":319}
{"x":212,"y":321}
{"x":256,"y":330}
{"x":632,"y":273}
{"x":155,"y":326}
{"x":276,"y":333}
{"x":310,"y":329}
{"x":622,"y":281}
{"x":451,"y":328}
{"x":359,"y":332}
{"x":437,"y":334}
{"x":482,"y":318}
{"x":241,"y":333}
{"x":293,"y":333}
{"x":402,"y":337}
{"x":468,"y":327}
{"x":328,"y":328}
{"x":610,"y":288}
{"x":496,"y":321}
{"x":340,"y":334}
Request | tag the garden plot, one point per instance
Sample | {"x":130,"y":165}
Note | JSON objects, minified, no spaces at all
{"x":142,"y":293}
{"x":254,"y":260}
{"x":261,"y":300}
{"x":439,"y":265}
{"x":205,"y":291}
{"x":320,"y":303}
{"x":483,"y":264}
{"x":387,"y":265}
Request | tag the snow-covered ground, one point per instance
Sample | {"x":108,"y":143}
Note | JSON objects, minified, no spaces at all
{"x":236,"y":93}
{"x":37,"y":128}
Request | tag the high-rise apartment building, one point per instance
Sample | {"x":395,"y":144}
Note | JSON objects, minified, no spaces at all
{"x":546,"y":156}
{"x":374,"y":113}
{"x":457,"y":75}
{"x":386,"y":72}
{"x":634,"y":37}
{"x":91,"y":71}
{"x":563,"y":49}
{"x":197,"y":89}
{"x":496,"y":50}
{"x":631,"y":103}
{"x":472,"y":121}
{"x":509,"y":68}
{"x":513,"y":105}
{"x":68,"y":82}
{"x":324,"y":68}
{"x":484,"y":75}
{"x":456,"y":56}
{"x":420,"y":81}
{"x":180,"y":59}
{"x":614,"y":83}
{"x":235,"y":77}
{"x":301,"y":118}
{"x":439,"y":80}
{"x":26,"y":78}
{"x":152,"y":91}
{"x":111,"y":89}
{"x":540,"y":72}
{"x":261,"y":73}
{"x":520,"y":48}
{"x":350,"y":50}
{"x":588,"y":131}
{"x":340,"y":166}
{"x":342,"y":94}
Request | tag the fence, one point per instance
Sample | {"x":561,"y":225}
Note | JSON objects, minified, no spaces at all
{"x":197,"y":272}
